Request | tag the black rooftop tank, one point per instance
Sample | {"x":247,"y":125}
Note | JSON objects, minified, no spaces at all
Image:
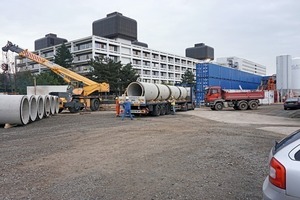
{"x":115,"y":25}
{"x":200,"y":51}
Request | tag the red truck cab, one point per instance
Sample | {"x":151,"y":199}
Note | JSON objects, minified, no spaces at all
{"x":212,"y":93}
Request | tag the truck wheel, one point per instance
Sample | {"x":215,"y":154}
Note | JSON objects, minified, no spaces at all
{"x":168,"y":109}
{"x":156,"y":110}
{"x":95,"y":104}
{"x":253,"y":105}
{"x":243,"y":105}
{"x":162,"y":110}
{"x":218,"y":106}
{"x":75,"y":107}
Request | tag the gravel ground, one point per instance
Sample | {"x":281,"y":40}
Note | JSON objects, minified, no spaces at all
{"x":98,"y":156}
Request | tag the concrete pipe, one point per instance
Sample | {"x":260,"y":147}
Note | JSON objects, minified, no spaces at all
{"x":164,"y":92}
{"x":52,"y":104}
{"x":40,"y":106}
{"x":14,"y":109}
{"x":175,"y":91}
{"x":188,"y":89}
{"x":47,"y":105}
{"x":56,"y":104}
{"x":149,"y":90}
{"x":32,"y":107}
{"x":183,"y":92}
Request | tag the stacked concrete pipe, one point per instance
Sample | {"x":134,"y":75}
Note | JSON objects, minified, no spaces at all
{"x":40,"y":107}
{"x":14,"y":109}
{"x":32,"y":107}
{"x":52,"y":104}
{"x":47,"y":106}
{"x":22,"y":109}
{"x":153,"y":91}
{"x":56,"y":104}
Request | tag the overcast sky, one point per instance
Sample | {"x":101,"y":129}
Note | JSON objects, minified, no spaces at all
{"x":257,"y":30}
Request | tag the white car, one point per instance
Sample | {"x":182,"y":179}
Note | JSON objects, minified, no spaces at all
{"x":283,"y":182}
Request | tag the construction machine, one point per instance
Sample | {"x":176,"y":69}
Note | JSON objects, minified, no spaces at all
{"x":84,"y":92}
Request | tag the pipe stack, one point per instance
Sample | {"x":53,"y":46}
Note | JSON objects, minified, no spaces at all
{"x":153,"y":91}
{"x":24,"y":109}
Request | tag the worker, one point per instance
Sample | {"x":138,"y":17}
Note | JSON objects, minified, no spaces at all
{"x":127,"y":108}
{"x":173,"y":103}
{"x":117,"y":107}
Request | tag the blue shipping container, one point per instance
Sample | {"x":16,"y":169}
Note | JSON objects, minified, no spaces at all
{"x":221,"y":72}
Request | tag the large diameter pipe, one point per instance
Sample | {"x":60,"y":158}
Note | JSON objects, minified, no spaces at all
{"x":175,"y":91}
{"x":56,"y":104}
{"x":40,"y":106}
{"x":14,"y":109}
{"x":149,"y":90}
{"x":32,"y":107}
{"x":47,"y":107}
{"x":52,"y":104}
{"x":164,"y":92}
{"x":183,"y":92}
{"x":153,"y":91}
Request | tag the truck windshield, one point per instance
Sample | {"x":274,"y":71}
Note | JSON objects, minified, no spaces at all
{"x":206,"y":90}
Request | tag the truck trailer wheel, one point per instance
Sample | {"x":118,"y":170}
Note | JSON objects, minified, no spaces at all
{"x":243,"y":105}
{"x":95,"y":104}
{"x":218,"y":106}
{"x":253,"y":105}
{"x":156,"y":110}
{"x":168,"y":109}
{"x":163,"y":110}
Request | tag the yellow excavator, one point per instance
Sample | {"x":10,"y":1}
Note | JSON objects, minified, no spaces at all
{"x":84,"y":92}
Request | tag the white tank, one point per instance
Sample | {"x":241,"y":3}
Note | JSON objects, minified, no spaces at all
{"x":283,"y":72}
{"x":295,"y":70}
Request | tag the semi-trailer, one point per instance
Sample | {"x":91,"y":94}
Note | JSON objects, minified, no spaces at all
{"x":154,"y":99}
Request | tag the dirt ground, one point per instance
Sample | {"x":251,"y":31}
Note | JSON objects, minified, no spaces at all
{"x":198,"y":154}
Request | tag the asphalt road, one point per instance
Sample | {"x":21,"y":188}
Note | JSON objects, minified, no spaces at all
{"x":198,"y":154}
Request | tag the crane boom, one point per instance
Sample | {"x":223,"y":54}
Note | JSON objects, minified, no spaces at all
{"x":66,"y":74}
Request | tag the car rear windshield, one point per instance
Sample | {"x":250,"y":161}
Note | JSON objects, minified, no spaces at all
{"x":286,"y":141}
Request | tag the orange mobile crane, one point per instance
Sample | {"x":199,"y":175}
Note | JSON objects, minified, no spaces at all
{"x":85,"y":92}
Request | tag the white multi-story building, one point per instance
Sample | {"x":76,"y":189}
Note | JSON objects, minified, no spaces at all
{"x":243,"y":65}
{"x":152,"y":65}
